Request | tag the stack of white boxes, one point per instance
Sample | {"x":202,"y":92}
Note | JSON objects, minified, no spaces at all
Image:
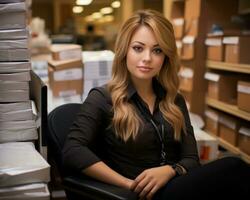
{"x":97,"y":69}
{"x":18,"y":127}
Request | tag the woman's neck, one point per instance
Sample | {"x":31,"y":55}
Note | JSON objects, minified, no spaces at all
{"x":146,"y":92}
{"x":143,"y":87}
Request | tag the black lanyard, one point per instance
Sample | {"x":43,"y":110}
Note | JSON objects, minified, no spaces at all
{"x":158,"y":131}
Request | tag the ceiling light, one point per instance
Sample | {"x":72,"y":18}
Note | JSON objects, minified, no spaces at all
{"x":83,"y":2}
{"x":116,"y":4}
{"x":96,"y":15}
{"x":106,"y":10}
{"x":77,"y":9}
{"x":108,"y":18}
{"x":89,"y":18}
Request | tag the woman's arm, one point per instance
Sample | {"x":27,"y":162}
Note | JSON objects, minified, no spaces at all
{"x":189,"y":152}
{"x":104,"y":173}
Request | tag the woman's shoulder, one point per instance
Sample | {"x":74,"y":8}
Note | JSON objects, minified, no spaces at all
{"x":179,"y":98}
{"x":101,"y":93}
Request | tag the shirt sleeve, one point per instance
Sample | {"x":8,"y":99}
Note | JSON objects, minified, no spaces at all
{"x":189,"y":153}
{"x":77,"y":153}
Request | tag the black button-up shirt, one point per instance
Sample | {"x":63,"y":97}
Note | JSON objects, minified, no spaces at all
{"x":92,"y":137}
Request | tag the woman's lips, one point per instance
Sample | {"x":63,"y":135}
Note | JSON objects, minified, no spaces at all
{"x":144,"y":68}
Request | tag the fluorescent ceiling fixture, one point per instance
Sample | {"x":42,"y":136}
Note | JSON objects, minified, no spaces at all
{"x":116,"y":4}
{"x":108,"y":18}
{"x":96,"y":15}
{"x":83,"y":2}
{"x":77,"y":9}
{"x":106,"y":10}
{"x":89,"y":18}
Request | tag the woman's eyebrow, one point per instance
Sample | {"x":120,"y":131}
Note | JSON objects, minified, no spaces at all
{"x":155,"y":45}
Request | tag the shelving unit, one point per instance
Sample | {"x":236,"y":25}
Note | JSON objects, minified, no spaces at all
{"x":233,"y":149}
{"x":231,"y":8}
{"x":191,"y":35}
{"x":228,"y":108}
{"x":232,"y":67}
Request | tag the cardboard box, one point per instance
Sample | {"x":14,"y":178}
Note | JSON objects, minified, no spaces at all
{"x":207,"y":145}
{"x":191,"y":27}
{"x":188,"y":48}
{"x":222,"y":87}
{"x":192,"y":9}
{"x":179,"y":47}
{"x":66,"y":51}
{"x":243,"y":99}
{"x":66,"y":77}
{"x":228,"y":130}
{"x":215,"y":49}
{"x":97,"y":64}
{"x":237,"y":49}
{"x":178,"y":25}
{"x":244,"y":139}
{"x":212,"y":121}
{"x":186,"y":79}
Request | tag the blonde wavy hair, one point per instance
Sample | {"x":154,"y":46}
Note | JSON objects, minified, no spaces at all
{"x":126,"y":121}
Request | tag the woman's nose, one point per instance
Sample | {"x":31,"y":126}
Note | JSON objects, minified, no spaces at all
{"x":147,"y":56}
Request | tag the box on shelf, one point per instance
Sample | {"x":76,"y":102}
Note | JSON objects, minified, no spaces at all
{"x":179,"y":47}
{"x":66,"y":77}
{"x":207,"y":145}
{"x":178,"y":25}
{"x":191,"y":27}
{"x":222,"y":87}
{"x":243,"y":98}
{"x":66,"y":51}
{"x":237,"y":49}
{"x":192,"y":9}
{"x":228,"y":130}
{"x":244,"y":140}
{"x":186,"y":79}
{"x":215,"y":49}
{"x":212,"y":121}
{"x":188,"y":48}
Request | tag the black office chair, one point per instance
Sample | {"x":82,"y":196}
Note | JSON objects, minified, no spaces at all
{"x":79,"y":186}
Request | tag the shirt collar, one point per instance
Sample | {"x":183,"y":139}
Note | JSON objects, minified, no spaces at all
{"x":157,"y":87}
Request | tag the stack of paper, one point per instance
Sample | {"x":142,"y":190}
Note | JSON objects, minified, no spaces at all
{"x":24,"y":173}
{"x":17,"y":121}
{"x":20,"y":167}
{"x":36,"y":191}
{"x":97,"y":69}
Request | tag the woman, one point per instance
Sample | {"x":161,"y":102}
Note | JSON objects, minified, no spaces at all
{"x":135,"y":132}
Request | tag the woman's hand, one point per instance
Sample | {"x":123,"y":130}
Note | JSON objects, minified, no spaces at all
{"x":151,"y":180}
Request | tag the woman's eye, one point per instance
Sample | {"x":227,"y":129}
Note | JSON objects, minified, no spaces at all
{"x":137,"y":48}
{"x":157,"y":51}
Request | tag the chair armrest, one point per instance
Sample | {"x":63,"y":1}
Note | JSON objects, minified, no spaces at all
{"x":96,"y":189}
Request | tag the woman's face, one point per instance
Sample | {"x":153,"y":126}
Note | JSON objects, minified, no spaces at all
{"x":144,"y":56}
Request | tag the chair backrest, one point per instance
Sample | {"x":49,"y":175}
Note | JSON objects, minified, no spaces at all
{"x":59,"y":122}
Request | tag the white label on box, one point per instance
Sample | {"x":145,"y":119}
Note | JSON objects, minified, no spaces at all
{"x":231,"y":40}
{"x":213,"y":42}
{"x":67,"y":93}
{"x":228,"y":122}
{"x":243,"y":89}
{"x":68,"y":74}
{"x":188,"y":39}
{"x":212,"y":115}
{"x":178,"y":44}
{"x":70,"y":54}
{"x":178,"y":21}
{"x":186,"y":73}
{"x":245,"y":131}
{"x":212,"y":76}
